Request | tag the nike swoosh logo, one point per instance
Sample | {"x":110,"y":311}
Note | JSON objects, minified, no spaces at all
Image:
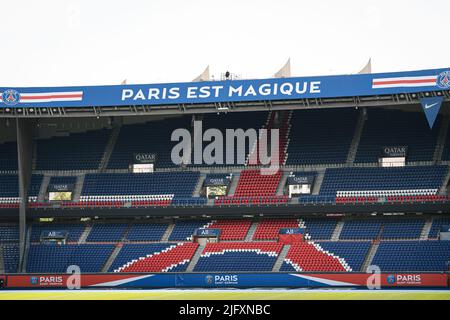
{"x":430,"y":106}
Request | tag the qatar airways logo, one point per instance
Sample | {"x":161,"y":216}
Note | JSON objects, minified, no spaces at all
{"x":228,"y":90}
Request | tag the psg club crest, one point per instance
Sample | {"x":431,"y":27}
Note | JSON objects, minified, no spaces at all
{"x":390,"y":279}
{"x":11,"y":97}
{"x":443,"y":80}
{"x":34,"y":280}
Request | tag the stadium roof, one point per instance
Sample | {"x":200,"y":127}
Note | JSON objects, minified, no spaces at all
{"x":238,"y":95}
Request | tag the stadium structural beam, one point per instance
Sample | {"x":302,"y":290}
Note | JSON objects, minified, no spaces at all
{"x":391,"y":100}
{"x":25,"y":155}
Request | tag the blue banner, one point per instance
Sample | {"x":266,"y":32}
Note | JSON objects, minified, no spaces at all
{"x":431,"y":107}
{"x":54,"y":234}
{"x":207,"y":232}
{"x":292,"y":231}
{"x":228,"y":91}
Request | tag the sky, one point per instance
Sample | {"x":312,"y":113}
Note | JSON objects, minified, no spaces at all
{"x":87,"y":42}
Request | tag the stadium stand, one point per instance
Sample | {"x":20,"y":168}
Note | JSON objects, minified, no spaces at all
{"x":133,"y":252}
{"x":412,"y":256}
{"x":9,"y":232}
{"x":238,"y":256}
{"x":231,"y":229}
{"x":313,"y":138}
{"x":56,"y":258}
{"x":353,"y":182}
{"x":402,"y":228}
{"x":268,"y":229}
{"x":146,"y":231}
{"x":397,"y":128}
{"x":252,"y":183}
{"x":9,"y":187}
{"x":183,"y":230}
{"x":8,"y":156}
{"x":436,"y":226}
{"x":11,"y":257}
{"x":158,"y":186}
{"x":174,"y":257}
{"x":321,"y":136}
{"x":151,"y":137}
{"x":73,"y":153}
{"x":361,"y":229}
{"x":74,"y":230}
{"x":320,"y":229}
{"x":235,"y":121}
{"x":310,"y":256}
{"x":106,"y":232}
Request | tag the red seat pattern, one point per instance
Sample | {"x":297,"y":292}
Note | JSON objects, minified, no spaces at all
{"x":283,"y":128}
{"x":231,"y":229}
{"x":161,"y":261}
{"x":268,"y":229}
{"x":263,"y":246}
{"x":308,"y":257}
{"x":253,"y":184}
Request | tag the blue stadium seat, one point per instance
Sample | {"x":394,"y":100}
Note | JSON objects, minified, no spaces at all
{"x":412,"y":256}
{"x":56,"y":258}
{"x":397,"y":128}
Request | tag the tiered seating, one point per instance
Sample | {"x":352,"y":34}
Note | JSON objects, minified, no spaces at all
{"x":35,"y":186}
{"x":9,"y":232}
{"x":397,"y":128}
{"x":379,"y":181}
{"x":253,"y":184}
{"x":151,"y":137}
{"x":268,"y":229}
{"x":146,"y":231}
{"x":235,"y":121}
{"x":436,"y":227}
{"x":72,"y":152}
{"x":353,"y":253}
{"x":446,"y":151}
{"x":9,"y":188}
{"x":402,"y":228}
{"x":309,"y":256}
{"x":231,"y":229}
{"x":360,"y":229}
{"x":11,"y":258}
{"x":238,"y":256}
{"x":321,"y":136}
{"x":320,"y":229}
{"x":283,"y":127}
{"x":8,"y":156}
{"x":107,"y":232}
{"x":412,"y":256}
{"x":183,"y":230}
{"x":133,"y":252}
{"x":176,"y":257}
{"x":158,"y":186}
{"x":55,"y":258}
{"x":74,"y":230}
